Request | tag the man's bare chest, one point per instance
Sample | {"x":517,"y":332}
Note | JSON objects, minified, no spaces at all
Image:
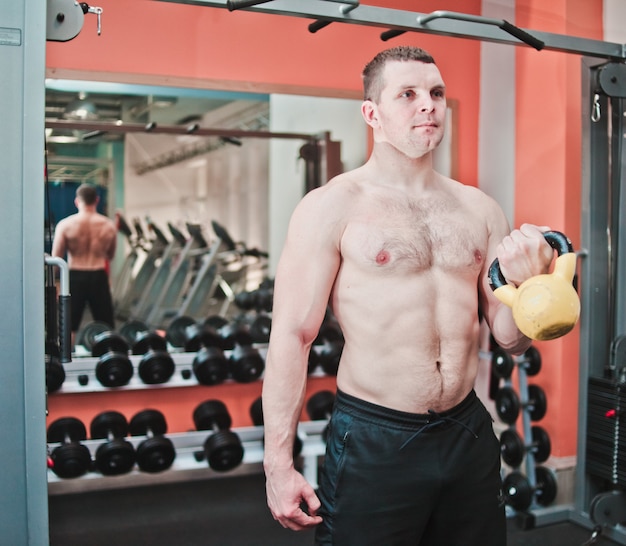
{"x":416,"y":239}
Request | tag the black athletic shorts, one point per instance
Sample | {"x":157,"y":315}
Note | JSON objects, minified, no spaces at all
{"x":394,"y":478}
{"x":91,"y":288}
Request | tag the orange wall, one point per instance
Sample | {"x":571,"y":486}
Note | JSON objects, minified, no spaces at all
{"x":548,"y":175}
{"x":165,"y":43}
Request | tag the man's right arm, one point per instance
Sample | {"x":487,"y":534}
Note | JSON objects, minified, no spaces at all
{"x":304,"y":279}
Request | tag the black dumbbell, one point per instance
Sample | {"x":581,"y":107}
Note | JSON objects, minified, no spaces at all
{"x":131,"y":328}
{"x":504,"y":363}
{"x":114,"y":368}
{"x":245,"y":300}
{"x":87,"y":333}
{"x":55,"y":372}
{"x":320,"y":406}
{"x":329,"y":347}
{"x":519,"y":494}
{"x":141,"y":338}
{"x":261,"y":328}
{"x":116,"y":455}
{"x":530,"y":361}
{"x":223,"y":449}
{"x":184,"y":332}
{"x":71,"y":459}
{"x":245,"y":362}
{"x":192,"y":336}
{"x":156,"y":453}
{"x":513,"y":448}
{"x":261,"y":299}
{"x":259,"y":325}
{"x":215,"y":321}
{"x":313,"y":361}
{"x":210,"y":365}
{"x":508,"y":404}
{"x":256,"y":414}
{"x":156,"y":365}
{"x":265,"y":295}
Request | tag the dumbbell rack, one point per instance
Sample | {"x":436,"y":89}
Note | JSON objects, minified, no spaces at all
{"x":80,"y":376}
{"x":188,"y":465}
{"x":526,"y":429}
{"x":529,"y":458}
{"x":80,"y":379}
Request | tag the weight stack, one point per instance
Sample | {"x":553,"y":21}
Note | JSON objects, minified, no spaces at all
{"x":606,"y":430}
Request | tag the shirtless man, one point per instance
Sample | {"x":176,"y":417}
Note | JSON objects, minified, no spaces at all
{"x":89,"y":239}
{"x":401,"y":253}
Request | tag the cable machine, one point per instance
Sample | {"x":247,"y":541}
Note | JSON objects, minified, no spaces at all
{"x":601,"y":458}
{"x":599,"y":495}
{"x":599,"y":492}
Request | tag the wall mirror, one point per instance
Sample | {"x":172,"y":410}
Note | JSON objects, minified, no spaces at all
{"x":174,"y":179}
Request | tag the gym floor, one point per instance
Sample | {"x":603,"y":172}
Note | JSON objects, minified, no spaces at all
{"x":217,"y":512}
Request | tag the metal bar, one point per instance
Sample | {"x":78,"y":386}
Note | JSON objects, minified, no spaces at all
{"x":501,"y":23}
{"x":23,"y":498}
{"x":233,"y":5}
{"x":442,"y":14}
{"x":64,"y":286}
{"x":399,"y":20}
{"x":170,"y":129}
{"x":527,"y":428}
{"x":64,"y":307}
{"x":597,"y":275}
{"x":618,"y":240}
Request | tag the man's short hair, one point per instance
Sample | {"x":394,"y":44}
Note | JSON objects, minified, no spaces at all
{"x":373,"y":72}
{"x":87,"y":194}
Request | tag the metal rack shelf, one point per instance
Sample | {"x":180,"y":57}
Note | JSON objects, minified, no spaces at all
{"x":187,"y":466}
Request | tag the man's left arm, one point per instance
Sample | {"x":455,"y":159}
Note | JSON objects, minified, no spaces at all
{"x":58,"y":243}
{"x":523,"y":253}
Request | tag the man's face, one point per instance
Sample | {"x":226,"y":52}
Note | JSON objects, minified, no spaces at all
{"x":410,"y":114}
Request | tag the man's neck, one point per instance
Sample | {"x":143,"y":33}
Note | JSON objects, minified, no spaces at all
{"x":87,"y":209}
{"x":400,"y":169}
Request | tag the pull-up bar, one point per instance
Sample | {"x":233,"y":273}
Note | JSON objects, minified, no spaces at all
{"x":520,"y":34}
{"x":444,"y":23}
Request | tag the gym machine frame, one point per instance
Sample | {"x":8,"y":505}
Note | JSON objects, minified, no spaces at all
{"x":604,"y":195}
{"x":31,"y":60}
{"x":603,"y":322}
{"x":154,"y":284}
{"x":128,"y":296}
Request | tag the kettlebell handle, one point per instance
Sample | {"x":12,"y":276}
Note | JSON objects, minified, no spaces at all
{"x":557,"y":240}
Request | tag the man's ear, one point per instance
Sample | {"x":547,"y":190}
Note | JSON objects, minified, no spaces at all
{"x":369,"y":111}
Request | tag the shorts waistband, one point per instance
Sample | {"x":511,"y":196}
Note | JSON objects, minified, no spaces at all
{"x":363,"y":408}
{"x":87,"y":272}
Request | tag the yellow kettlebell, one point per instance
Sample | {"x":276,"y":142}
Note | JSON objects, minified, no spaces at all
{"x":545,"y":306}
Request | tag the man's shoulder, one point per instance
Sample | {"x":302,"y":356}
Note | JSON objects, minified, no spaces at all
{"x":67,"y":222}
{"x":101,"y":220}
{"x":337,"y":194}
{"x":471,"y":193}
